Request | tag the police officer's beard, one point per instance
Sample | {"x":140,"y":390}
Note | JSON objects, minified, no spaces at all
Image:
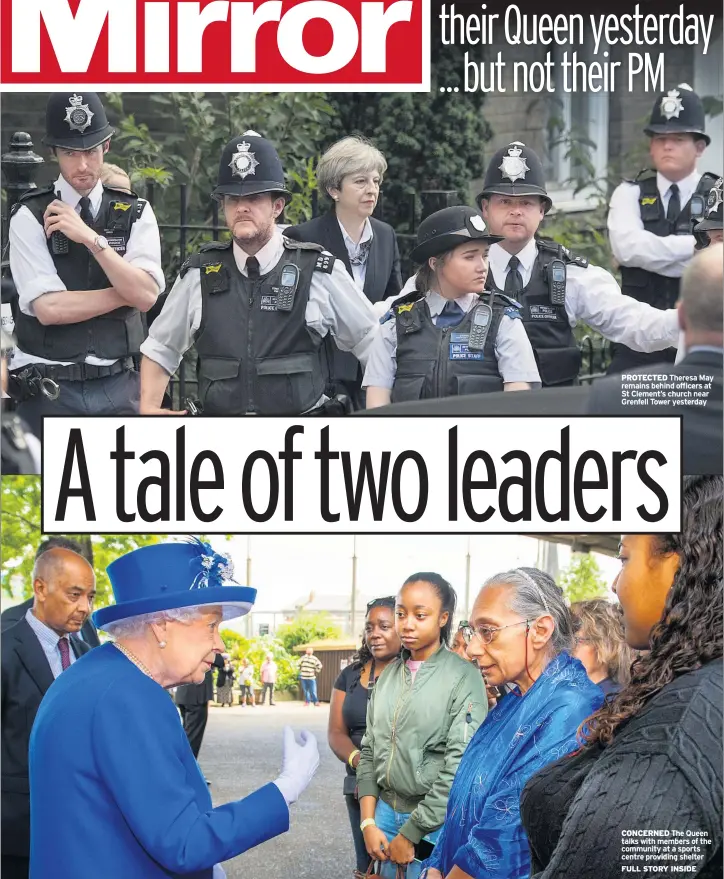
{"x":256,"y":239}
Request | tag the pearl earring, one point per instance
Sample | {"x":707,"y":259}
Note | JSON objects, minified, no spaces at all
{"x":161,"y":644}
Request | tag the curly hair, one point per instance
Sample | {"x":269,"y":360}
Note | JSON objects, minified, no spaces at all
{"x":602,"y":622}
{"x":689,"y":633}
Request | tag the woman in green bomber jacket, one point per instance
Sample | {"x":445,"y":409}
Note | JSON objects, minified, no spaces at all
{"x":425,"y":707}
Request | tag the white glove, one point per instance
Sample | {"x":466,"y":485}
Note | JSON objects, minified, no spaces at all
{"x":299,"y":763}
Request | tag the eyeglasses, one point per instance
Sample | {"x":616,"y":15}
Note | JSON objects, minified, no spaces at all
{"x":485,"y":633}
{"x":381,"y":602}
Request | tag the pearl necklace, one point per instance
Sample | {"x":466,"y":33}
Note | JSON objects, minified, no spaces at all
{"x":134,"y":659}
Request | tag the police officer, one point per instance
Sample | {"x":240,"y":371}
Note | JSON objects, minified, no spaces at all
{"x":649,"y":219}
{"x":709,"y":230}
{"x":556,"y":288}
{"x":257,"y":307}
{"x":19,"y":449}
{"x":86,"y":260}
{"x":450,"y":336}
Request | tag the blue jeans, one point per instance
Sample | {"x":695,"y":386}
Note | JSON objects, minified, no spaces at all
{"x":390,"y":822}
{"x":310,"y":690}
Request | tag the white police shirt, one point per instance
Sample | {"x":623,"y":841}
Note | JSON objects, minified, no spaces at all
{"x":516,"y":361}
{"x":594,"y":297}
{"x":634,"y":246}
{"x":34,"y":272}
{"x":336,"y":305}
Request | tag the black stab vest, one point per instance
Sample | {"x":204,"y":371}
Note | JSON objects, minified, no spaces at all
{"x":436,"y":362}
{"x":252,"y":357}
{"x":114,"y":335}
{"x":658,"y":290}
{"x":547,"y":325}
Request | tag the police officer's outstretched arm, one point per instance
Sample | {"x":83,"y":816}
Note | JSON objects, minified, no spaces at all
{"x":381,"y":366}
{"x":338,"y":306}
{"x":169,"y":337}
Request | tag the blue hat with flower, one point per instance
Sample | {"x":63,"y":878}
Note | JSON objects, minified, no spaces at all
{"x":166,"y":576}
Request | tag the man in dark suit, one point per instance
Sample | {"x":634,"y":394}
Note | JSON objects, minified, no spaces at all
{"x":11,"y":616}
{"x":193,"y":702}
{"x":35,"y":651}
{"x":702,"y":320}
{"x":350,"y":173}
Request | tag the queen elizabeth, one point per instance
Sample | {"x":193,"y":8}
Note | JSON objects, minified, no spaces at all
{"x":114,"y":787}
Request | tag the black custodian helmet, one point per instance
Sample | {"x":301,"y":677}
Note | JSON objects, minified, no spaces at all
{"x":250,"y":164}
{"x":679,"y":111}
{"x":76,"y":121}
{"x":515,"y":170}
{"x":446,"y":229}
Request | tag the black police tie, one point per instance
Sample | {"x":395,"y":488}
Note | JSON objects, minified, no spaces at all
{"x":674,"y":208}
{"x":252,"y":268}
{"x":85,"y":211}
{"x":514,"y":279}
{"x":450,"y":316}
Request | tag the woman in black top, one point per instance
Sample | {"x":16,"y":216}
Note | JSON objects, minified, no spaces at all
{"x":348,"y":707}
{"x":651,"y":759}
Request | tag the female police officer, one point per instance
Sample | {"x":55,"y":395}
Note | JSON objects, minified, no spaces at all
{"x":450,"y":336}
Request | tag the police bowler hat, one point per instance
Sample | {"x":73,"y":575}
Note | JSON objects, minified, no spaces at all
{"x":76,"y":121}
{"x":515,"y":170}
{"x":166,"y":576}
{"x":678,"y":111}
{"x":446,"y":229}
{"x":250,"y":164}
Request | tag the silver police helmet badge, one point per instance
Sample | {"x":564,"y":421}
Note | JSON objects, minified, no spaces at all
{"x":78,"y":115}
{"x":513,"y":166}
{"x":715,"y":198}
{"x":671,"y":104}
{"x":477,"y":223}
{"x":243,"y":162}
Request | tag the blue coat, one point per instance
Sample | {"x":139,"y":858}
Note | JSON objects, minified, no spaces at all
{"x":115,"y":790}
{"x":483,"y":834}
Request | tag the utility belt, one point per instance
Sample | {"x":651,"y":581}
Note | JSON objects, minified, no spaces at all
{"x":340,"y":404}
{"x":43,"y":378}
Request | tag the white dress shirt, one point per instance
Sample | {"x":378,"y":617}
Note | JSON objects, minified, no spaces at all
{"x":336,"y":305}
{"x":49,"y":642}
{"x":633,"y":246}
{"x":516,"y":361}
{"x":34,"y":272}
{"x":594,"y":297}
{"x":359,"y":271}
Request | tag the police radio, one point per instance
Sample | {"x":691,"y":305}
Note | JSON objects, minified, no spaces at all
{"x":59,"y":244}
{"x":556,"y":277}
{"x":287,"y":287}
{"x":482,"y":316}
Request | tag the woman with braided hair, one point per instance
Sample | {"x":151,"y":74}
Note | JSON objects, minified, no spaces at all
{"x":520,"y":634}
{"x":651,"y":759}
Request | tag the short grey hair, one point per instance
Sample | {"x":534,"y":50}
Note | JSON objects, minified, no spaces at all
{"x":535,"y":593}
{"x":351,"y":155}
{"x":134,"y":626}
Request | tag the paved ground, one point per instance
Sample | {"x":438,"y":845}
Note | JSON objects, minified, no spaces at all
{"x":242,"y":750}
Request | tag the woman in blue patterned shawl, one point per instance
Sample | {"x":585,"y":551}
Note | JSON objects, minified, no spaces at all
{"x":520,"y":633}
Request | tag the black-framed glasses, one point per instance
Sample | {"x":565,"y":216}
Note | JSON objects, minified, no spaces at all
{"x":485,"y":633}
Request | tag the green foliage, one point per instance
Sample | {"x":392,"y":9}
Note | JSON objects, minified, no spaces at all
{"x":21,"y":534}
{"x":307,"y":627}
{"x":256,"y":649}
{"x":190,"y":129}
{"x":582,"y":579}
{"x":431,"y":140}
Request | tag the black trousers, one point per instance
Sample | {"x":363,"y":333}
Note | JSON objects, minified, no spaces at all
{"x":195,"y":718}
{"x":270,"y":688}
{"x":114,"y":395}
{"x":13,"y":867}
{"x":624,"y":359}
{"x":353,"y":810}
